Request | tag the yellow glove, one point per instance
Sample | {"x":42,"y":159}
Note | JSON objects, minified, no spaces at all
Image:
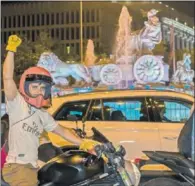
{"x":89,"y":145}
{"x":13,"y":42}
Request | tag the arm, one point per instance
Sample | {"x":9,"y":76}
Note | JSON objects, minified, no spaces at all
{"x":84,"y":144}
{"x":8,"y":68}
{"x":8,"y":80}
{"x":67,"y":135}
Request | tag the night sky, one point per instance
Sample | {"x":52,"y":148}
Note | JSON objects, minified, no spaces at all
{"x":187,"y":7}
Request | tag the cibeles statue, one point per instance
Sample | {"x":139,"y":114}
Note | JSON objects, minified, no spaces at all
{"x":151,"y":34}
{"x":184,"y":73}
{"x":60,"y":70}
{"x":130,"y":45}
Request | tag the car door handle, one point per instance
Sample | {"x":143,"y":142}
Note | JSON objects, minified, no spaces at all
{"x":170,"y":138}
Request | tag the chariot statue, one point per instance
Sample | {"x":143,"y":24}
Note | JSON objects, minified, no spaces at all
{"x":130,"y":46}
{"x":129,"y":64}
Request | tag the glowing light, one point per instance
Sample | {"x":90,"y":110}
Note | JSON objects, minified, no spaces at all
{"x":185,"y":23}
{"x":120,"y":103}
{"x":127,"y":142}
{"x":96,"y":107}
{"x":172,"y":9}
{"x":167,"y":6}
{"x":160,"y":2}
{"x":68,"y":49}
{"x":176,"y":19}
{"x":161,"y":106}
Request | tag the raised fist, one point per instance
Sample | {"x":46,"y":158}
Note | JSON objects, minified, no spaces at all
{"x":13,"y":42}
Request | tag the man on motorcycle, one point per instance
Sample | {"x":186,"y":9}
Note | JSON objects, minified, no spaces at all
{"x":27,"y":119}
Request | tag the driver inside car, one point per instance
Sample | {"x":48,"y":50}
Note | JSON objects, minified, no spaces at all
{"x":27,"y":119}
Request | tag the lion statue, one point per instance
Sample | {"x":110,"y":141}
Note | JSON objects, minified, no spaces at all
{"x":60,"y":70}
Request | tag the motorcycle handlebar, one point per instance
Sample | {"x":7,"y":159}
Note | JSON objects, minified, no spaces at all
{"x":104,"y":148}
{"x":108,"y":149}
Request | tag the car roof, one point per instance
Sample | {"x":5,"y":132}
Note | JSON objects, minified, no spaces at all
{"x":105,"y":93}
{"x":117,"y":94}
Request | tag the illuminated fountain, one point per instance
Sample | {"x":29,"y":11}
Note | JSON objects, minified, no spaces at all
{"x":123,"y":53}
{"x":123,"y":35}
{"x":90,"y":60}
{"x":90,"y":57}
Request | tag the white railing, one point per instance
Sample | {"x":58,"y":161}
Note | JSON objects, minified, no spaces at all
{"x":178,"y":25}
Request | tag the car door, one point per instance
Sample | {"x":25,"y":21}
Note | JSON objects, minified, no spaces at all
{"x":171,"y":115}
{"x":3,"y":107}
{"x":76,"y":108}
{"x":125,"y":121}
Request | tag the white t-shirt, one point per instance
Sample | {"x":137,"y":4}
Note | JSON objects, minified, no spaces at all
{"x":26,"y":124}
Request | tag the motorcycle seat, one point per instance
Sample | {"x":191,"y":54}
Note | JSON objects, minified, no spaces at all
{"x":180,"y":159}
{"x":174,"y":160}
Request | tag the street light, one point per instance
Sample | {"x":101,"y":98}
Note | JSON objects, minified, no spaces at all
{"x":160,"y":2}
{"x":167,"y":6}
{"x":185,"y":23}
{"x":172,"y":9}
{"x":81,"y":30}
{"x":176,"y":19}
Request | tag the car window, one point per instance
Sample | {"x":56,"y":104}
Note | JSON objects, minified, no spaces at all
{"x":95,"y":112}
{"x":74,"y":108}
{"x":2,"y":97}
{"x":126,"y":109}
{"x":172,"y":110}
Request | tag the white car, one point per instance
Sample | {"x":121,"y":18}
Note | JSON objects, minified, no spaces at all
{"x":137,"y":119}
{"x":3,"y":108}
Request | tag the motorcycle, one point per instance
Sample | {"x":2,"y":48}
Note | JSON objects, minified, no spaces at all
{"x":76,"y":167}
{"x":182,"y":166}
{"x":181,"y":163}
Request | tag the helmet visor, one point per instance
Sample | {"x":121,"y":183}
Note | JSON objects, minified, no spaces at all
{"x":38,"y":77}
{"x":46,"y":84}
